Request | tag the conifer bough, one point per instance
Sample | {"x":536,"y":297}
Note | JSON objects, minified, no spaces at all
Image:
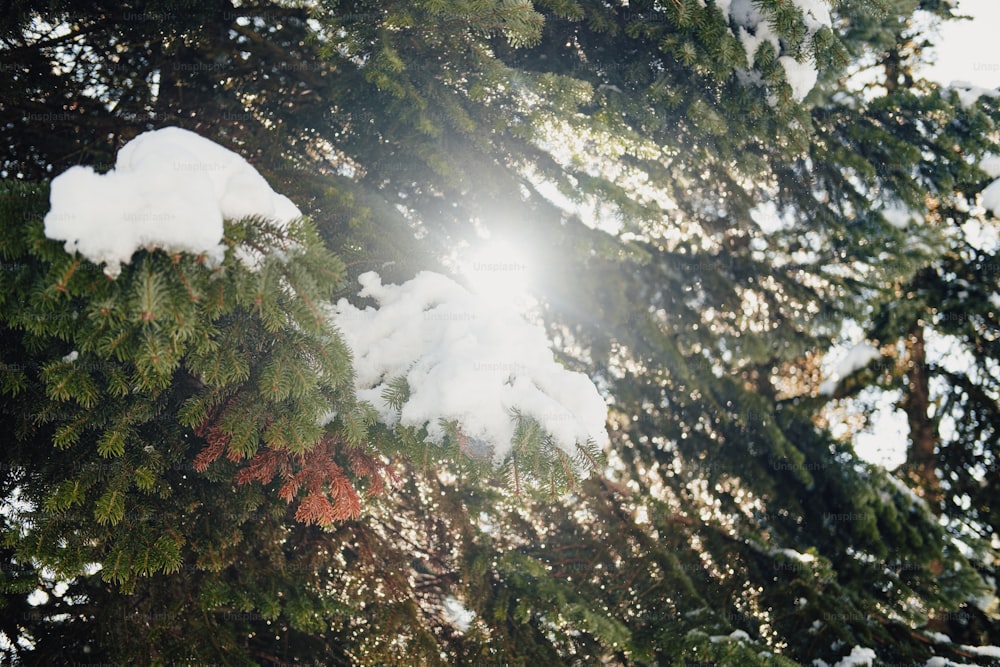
{"x":738,"y":530}
{"x":208,"y":350}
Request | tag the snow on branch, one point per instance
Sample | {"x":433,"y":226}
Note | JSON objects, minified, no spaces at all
{"x":170,"y":189}
{"x":856,"y":358}
{"x":991,"y":193}
{"x":859,"y":657}
{"x":466,"y":361}
{"x":753,"y":27}
{"x":969,"y":94}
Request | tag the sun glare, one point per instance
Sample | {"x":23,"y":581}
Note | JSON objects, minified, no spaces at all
{"x":500,"y":272}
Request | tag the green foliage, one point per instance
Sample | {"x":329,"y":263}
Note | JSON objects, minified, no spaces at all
{"x":122,"y":376}
{"x":407,"y":130}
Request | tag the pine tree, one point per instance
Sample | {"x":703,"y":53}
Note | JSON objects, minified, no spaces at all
{"x":734,"y":528}
{"x":117,"y":392}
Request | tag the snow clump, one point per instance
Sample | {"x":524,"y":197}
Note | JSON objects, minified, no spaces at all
{"x":170,"y":189}
{"x":465,"y":360}
{"x":991,"y":193}
{"x":753,"y":29}
{"x":856,"y":358}
{"x":859,"y":657}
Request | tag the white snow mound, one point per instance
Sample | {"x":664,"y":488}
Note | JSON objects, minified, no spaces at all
{"x":456,"y":614}
{"x":987,"y":651}
{"x":465,"y":360}
{"x":991,"y":197}
{"x":170,"y":189}
{"x":753,"y":28}
{"x":859,"y":657}
{"x":991,"y":165}
{"x":991,"y":193}
{"x":969,"y":94}
{"x":856,"y":358}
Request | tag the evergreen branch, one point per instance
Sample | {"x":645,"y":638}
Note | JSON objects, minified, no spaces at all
{"x":66,"y":276}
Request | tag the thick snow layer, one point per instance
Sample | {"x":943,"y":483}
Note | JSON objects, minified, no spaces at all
{"x":456,"y":614}
{"x":987,"y":651}
{"x":991,"y":197}
{"x":991,"y":194}
{"x":816,"y":14}
{"x":170,"y":189}
{"x":859,"y":657}
{"x":969,"y":94}
{"x":753,"y":29}
{"x":793,"y":554}
{"x":734,"y":636}
{"x":899,"y":216}
{"x":801,"y":76}
{"x":991,"y":165}
{"x":467,"y":360}
{"x":752,"y":41}
{"x":856,"y":358}
{"x":938,"y":661}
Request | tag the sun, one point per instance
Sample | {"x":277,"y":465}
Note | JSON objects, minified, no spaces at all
{"x":499,"y":271}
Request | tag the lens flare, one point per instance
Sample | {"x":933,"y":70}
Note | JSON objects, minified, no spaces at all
{"x":500,"y":272}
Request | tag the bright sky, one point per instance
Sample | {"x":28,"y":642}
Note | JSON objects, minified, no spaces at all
{"x":968,"y":50}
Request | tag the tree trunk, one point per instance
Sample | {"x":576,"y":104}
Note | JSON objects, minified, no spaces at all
{"x":921,"y":457}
